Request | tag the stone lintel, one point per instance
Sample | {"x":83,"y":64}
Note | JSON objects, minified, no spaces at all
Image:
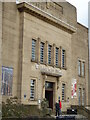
{"x":51,"y":74}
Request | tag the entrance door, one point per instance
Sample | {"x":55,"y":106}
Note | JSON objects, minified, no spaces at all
{"x":49,"y":93}
{"x":49,"y":97}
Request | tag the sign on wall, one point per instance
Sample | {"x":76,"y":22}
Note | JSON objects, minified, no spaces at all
{"x":7,"y":78}
{"x":74,"y":88}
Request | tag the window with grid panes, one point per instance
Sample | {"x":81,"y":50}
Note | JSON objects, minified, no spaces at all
{"x":33,"y":49}
{"x":41,"y":52}
{"x":32,"y":89}
{"x":63,"y":92}
{"x":63,"y":58}
{"x":56,"y":60}
{"x":49,"y":54}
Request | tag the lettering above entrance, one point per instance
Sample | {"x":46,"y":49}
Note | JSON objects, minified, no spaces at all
{"x":47,"y":70}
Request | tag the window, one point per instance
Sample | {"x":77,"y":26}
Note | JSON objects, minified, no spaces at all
{"x":49,"y":54}
{"x":79,"y":96}
{"x":63,"y":58}
{"x":83,"y":96}
{"x":63,"y":92}
{"x":7,"y":78}
{"x":79,"y":67}
{"x":83,"y":69}
{"x":32,"y":89}
{"x":41,"y":52}
{"x":56,"y":60}
{"x":33,"y":49}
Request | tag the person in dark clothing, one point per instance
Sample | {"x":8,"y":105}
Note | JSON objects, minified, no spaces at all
{"x":57,"y":109}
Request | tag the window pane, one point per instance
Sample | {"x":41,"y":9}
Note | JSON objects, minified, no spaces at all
{"x":79,"y":68}
{"x":63,"y":91}
{"x":33,"y":49}
{"x":63,"y":58}
{"x":56,"y":57}
{"x":83,"y":96}
{"x":41,"y":52}
{"x":32,"y":89}
{"x":49,"y":54}
{"x":83,"y":68}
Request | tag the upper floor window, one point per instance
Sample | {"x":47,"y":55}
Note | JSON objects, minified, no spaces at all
{"x":56,"y":60}
{"x":32,"y":89}
{"x":79,"y":67}
{"x":33,"y":49}
{"x":7,"y":78}
{"x":63,"y":58}
{"x":63,"y":92}
{"x":41,"y":52}
{"x":49,"y":54}
{"x":83,"y":69}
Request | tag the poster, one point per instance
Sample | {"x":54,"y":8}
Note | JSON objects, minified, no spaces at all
{"x":74,"y":89}
{"x":7,"y":78}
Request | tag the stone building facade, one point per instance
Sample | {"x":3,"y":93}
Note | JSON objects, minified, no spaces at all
{"x":44,"y":54}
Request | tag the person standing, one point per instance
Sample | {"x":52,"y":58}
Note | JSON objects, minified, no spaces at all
{"x":57,"y":109}
{"x":60,"y":105}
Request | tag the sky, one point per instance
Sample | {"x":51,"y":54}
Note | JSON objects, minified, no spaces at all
{"x":82,"y":10}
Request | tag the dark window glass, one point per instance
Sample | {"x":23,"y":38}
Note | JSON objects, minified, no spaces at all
{"x":33,"y":49}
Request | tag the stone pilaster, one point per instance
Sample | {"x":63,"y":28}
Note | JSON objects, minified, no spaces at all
{"x":0,"y":57}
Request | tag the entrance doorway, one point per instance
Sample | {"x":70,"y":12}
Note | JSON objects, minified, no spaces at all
{"x":49,"y":93}
{"x":49,"y":97}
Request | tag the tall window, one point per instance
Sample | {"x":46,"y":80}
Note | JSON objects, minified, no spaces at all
{"x":63,"y":58}
{"x":83,"y":96}
{"x":56,"y":60}
{"x":83,"y":69}
{"x":79,"y":67}
{"x":32,"y":89}
{"x":63,"y":92}
{"x":7,"y":78}
{"x":33,"y":49}
{"x":41,"y":52}
{"x":49,"y":54}
{"x":79,"y":96}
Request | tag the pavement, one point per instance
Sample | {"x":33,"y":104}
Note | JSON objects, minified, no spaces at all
{"x":77,"y":117}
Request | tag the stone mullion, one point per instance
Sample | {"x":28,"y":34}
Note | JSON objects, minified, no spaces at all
{"x":38,"y":50}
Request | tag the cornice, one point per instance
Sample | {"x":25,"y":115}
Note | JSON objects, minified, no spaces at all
{"x":31,"y":9}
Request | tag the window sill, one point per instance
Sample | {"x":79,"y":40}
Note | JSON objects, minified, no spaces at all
{"x":81,"y":76}
{"x":49,"y":64}
{"x":32,"y":100}
{"x":6,"y":95}
{"x":64,"y":68}
{"x":33,"y":61}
